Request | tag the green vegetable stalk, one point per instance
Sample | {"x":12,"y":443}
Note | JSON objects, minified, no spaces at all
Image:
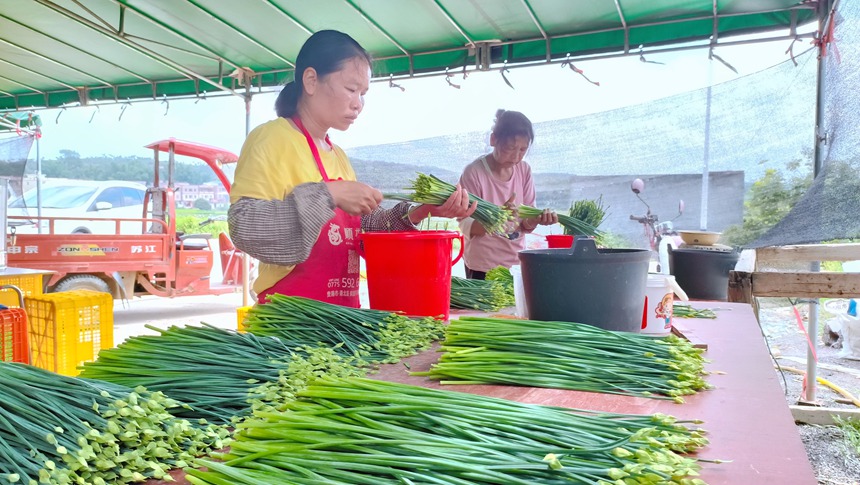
{"x":219,"y":374}
{"x":567,"y":355}
{"x":590,"y":212}
{"x":686,"y":311}
{"x":428,"y":189}
{"x":484,"y":295}
{"x":362,"y":431}
{"x":63,"y":430}
{"x":373,"y":335}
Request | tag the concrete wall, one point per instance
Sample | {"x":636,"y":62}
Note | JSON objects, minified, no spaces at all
{"x":662,"y":193}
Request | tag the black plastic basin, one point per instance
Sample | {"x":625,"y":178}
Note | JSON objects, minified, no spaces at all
{"x":584,"y":284}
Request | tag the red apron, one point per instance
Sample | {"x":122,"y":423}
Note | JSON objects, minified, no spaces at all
{"x":330,"y":273}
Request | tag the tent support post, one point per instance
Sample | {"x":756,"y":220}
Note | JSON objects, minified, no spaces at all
{"x":824,"y":10}
{"x":38,"y":183}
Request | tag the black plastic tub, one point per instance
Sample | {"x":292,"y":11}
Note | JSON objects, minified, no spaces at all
{"x":703,"y":273}
{"x":584,"y":284}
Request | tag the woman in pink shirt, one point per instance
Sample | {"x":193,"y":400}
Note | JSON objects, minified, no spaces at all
{"x":501,"y":177}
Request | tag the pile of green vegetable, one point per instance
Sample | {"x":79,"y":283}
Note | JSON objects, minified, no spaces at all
{"x":484,"y":295}
{"x":590,"y":212}
{"x":428,"y":189}
{"x":63,"y":430}
{"x":571,"y":224}
{"x":502,"y":275}
{"x":374,"y":335}
{"x":220,"y":374}
{"x":686,"y":311}
{"x":360,"y":431}
{"x":567,"y":355}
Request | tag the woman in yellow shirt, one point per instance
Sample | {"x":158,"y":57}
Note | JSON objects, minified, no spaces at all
{"x":295,"y":203}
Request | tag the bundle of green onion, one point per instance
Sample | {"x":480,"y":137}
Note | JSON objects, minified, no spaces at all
{"x":428,"y":189}
{"x":567,"y":355}
{"x":571,"y":224}
{"x":220,"y":374}
{"x":374,"y":335}
{"x":63,"y":430}
{"x":686,"y":311}
{"x":502,"y":275}
{"x":590,"y":212}
{"x":361,"y":431}
{"x":484,"y":295}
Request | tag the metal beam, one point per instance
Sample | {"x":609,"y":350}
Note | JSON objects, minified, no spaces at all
{"x":469,"y":40}
{"x":163,"y":25}
{"x":113,"y":34}
{"x":54,"y":61}
{"x":242,"y":34}
{"x":61,"y":83}
{"x":31,"y":88}
{"x":262,"y":75}
{"x":623,"y":25}
{"x":289,"y":16}
{"x":377,"y":27}
{"x":716,"y":29}
{"x":59,"y":41}
{"x":540,"y":28}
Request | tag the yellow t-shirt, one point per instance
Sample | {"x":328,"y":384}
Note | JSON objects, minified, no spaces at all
{"x":274,"y":159}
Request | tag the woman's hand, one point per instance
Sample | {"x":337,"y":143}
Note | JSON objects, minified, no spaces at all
{"x":456,"y":207}
{"x":547,"y":218}
{"x":354,"y":198}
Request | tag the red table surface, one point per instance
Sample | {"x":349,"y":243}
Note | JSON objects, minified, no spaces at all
{"x":746,"y":414}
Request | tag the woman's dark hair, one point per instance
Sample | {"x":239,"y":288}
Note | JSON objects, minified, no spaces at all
{"x":326,"y":51}
{"x":510,"y":124}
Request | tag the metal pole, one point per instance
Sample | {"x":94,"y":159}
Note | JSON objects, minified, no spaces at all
{"x":246,"y":260}
{"x":824,"y":9}
{"x":38,"y":183}
{"x":703,"y":216}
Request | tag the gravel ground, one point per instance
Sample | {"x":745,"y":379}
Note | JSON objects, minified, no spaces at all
{"x":833,"y":460}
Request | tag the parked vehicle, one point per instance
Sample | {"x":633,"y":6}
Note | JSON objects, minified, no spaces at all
{"x":154,"y":259}
{"x":78,"y":207}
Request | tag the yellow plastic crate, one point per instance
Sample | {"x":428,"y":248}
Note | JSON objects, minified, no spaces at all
{"x":30,"y":284}
{"x":241,"y":313}
{"x":69,"y":328}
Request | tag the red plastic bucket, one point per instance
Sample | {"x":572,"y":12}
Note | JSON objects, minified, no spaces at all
{"x":559,"y":241}
{"x":410,"y":272}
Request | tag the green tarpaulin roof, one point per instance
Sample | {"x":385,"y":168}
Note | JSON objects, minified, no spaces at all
{"x":60,"y":52}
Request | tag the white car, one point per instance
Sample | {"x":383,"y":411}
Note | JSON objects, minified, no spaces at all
{"x":81,"y":199}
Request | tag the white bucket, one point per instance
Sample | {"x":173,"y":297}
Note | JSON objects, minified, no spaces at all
{"x":519,"y":292}
{"x":660,"y":294}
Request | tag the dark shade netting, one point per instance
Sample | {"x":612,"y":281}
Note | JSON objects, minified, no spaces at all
{"x":830,"y":209}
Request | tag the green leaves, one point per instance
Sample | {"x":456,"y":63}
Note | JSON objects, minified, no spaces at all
{"x":82,"y":431}
{"x":428,"y":189}
{"x":485,"y":295}
{"x":365,"y":431}
{"x":567,"y":355}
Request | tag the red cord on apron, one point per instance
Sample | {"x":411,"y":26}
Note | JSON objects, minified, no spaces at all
{"x":331,"y":272}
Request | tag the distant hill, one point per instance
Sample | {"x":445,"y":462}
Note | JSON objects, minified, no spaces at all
{"x":395,"y":177}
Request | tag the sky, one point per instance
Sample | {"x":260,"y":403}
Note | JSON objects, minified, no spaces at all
{"x":427,"y":107}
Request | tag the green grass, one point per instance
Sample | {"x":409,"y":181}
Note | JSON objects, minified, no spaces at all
{"x":188,"y":222}
{"x":850,"y":432}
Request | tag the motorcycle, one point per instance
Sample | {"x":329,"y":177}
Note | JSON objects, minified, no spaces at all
{"x":660,"y":235}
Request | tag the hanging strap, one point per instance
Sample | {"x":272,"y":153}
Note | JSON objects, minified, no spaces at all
{"x":313,"y":146}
